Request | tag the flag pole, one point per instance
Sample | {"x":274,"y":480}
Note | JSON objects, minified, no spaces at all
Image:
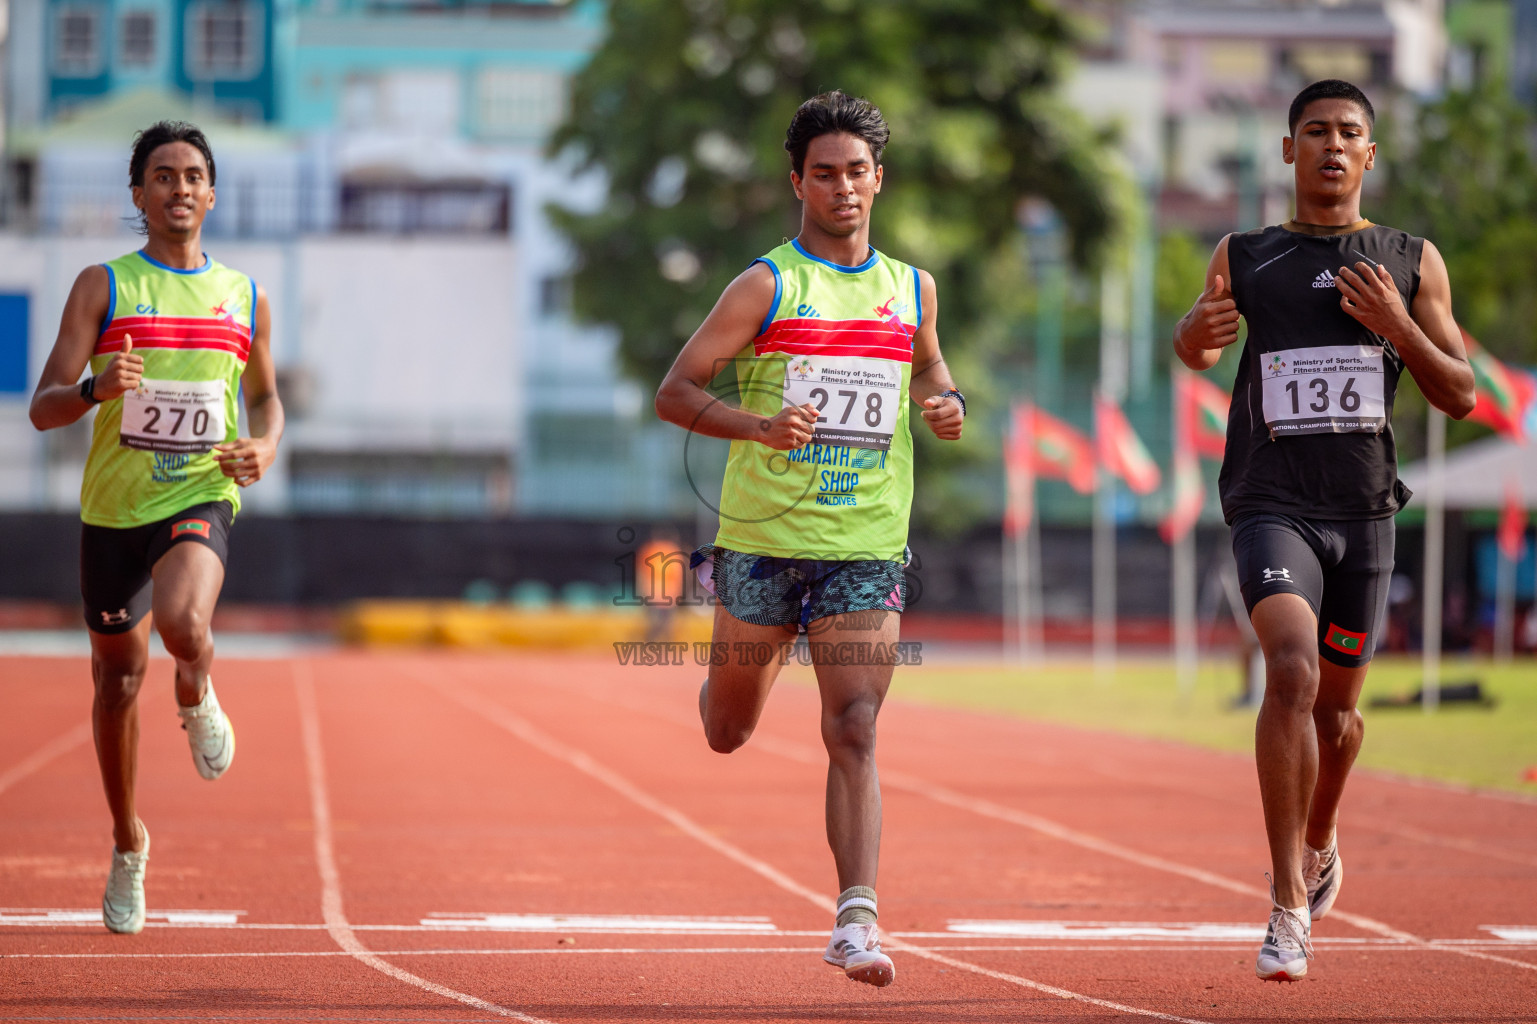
{"x":1182,"y":560}
{"x":1504,"y":606}
{"x":1112,"y":388}
{"x":1435,"y":554}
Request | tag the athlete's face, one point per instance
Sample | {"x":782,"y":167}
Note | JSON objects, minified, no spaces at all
{"x":177,"y":193}
{"x":1332,"y":148}
{"x":839,"y":185}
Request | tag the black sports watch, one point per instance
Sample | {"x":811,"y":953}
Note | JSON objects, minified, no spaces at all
{"x":953,"y":393}
{"x":88,"y":388}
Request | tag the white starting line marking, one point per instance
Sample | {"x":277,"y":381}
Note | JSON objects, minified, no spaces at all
{"x":1092,"y":930}
{"x":1511,"y":932}
{"x":640,"y":924}
{"x":45,"y":917}
{"x":1077,"y":947}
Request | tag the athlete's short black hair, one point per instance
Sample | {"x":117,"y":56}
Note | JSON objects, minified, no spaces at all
{"x":162,"y":133}
{"x":159,"y":134}
{"x":832,"y":112}
{"x":1329,"y":89}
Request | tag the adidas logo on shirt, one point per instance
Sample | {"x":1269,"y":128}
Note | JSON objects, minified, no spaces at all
{"x":1324,"y":280}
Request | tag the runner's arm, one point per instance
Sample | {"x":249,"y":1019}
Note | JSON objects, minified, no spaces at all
{"x":57,"y":401}
{"x":931,"y":377}
{"x":1212,"y":323}
{"x":247,"y":459}
{"x":731,"y":326}
{"x":1426,"y":335}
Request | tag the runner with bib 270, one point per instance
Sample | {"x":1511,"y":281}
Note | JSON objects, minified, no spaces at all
{"x":1337,"y":308}
{"x":829,"y":338}
{"x":171,"y":338}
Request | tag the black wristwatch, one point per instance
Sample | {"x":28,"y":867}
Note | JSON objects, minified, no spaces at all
{"x":952,"y":393}
{"x":88,"y":388}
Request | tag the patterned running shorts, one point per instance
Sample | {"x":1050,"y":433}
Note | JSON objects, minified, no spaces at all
{"x":765,"y":590}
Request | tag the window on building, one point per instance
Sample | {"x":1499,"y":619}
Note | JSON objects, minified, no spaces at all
{"x":420,"y":207}
{"x":136,"y":39}
{"x":77,"y":42}
{"x":519,"y":104}
{"x":555,"y":295}
{"x":224,"y":39}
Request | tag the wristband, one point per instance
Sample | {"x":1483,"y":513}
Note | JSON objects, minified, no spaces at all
{"x":87,"y":391}
{"x":952,"y":393}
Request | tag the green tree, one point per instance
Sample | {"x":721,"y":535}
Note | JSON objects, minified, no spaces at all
{"x":1465,"y":179}
{"x":1462,"y":174}
{"x":684,"y":109}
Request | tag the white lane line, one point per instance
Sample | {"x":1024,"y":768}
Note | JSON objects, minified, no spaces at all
{"x":582,"y":762}
{"x":1045,"y":826}
{"x":1345,"y":945}
{"x":1511,"y":932}
{"x":1107,"y":930}
{"x":58,"y":747}
{"x":19,"y":917}
{"x":325,"y":860}
{"x":627,"y":924}
{"x":804,"y":754}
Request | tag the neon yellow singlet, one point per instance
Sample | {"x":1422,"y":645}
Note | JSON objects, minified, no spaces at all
{"x":839,"y":338}
{"x":193,"y":328}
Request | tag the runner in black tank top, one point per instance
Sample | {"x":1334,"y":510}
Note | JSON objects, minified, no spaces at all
{"x":1336,"y":308}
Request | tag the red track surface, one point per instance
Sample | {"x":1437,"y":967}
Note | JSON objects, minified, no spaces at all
{"x":372,"y":792}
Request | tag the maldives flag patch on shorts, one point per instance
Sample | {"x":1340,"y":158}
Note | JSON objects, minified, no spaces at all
{"x":1344,"y":641}
{"x":190,"y":526}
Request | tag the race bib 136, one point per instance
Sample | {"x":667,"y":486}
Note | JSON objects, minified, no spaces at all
{"x":1333,"y":389}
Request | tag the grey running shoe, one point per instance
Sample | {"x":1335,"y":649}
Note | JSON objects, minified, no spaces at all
{"x":122,"y":908}
{"x":1288,"y":946}
{"x":857,"y":949}
{"x":210,"y":735}
{"x":1323,"y":873}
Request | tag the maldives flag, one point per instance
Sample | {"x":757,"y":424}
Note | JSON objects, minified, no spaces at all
{"x":1060,"y":452}
{"x":1203,"y":406}
{"x":1120,"y":450}
{"x":1019,"y":471}
{"x":1189,"y":497}
{"x":1512,"y":532}
{"x":1504,"y":397}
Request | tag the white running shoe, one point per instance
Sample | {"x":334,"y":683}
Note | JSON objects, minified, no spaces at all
{"x":1323,"y":873}
{"x":1288,"y":946}
{"x":122,"y":907}
{"x":210,"y":735}
{"x":857,"y":949}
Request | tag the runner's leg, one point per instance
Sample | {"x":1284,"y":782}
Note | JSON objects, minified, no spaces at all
{"x":187,"y":582}
{"x":852,"y":694}
{"x":733,"y":695}
{"x":118,"y":662}
{"x":1285,"y":742}
{"x":1339,"y":730}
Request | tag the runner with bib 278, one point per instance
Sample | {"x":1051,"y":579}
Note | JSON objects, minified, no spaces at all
{"x":829,"y":338}
{"x":170,"y":338}
{"x":1337,"y":307}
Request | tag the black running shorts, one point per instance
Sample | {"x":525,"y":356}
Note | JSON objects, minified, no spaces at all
{"x":1341,"y":567}
{"x":115,"y":565}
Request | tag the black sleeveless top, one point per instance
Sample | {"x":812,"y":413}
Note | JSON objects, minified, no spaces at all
{"x":1310,"y":430}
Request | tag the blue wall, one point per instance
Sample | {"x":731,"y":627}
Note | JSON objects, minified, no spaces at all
{"x":15,"y":316}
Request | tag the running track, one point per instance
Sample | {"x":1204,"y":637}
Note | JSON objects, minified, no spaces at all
{"x":481,"y":838}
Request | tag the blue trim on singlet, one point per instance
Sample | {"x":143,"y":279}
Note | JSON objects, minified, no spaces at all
{"x":253,"y":304}
{"x":779,"y":291}
{"x":866,"y":265}
{"x":917,"y":301}
{"x":156,"y":263}
{"x":111,"y":300}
